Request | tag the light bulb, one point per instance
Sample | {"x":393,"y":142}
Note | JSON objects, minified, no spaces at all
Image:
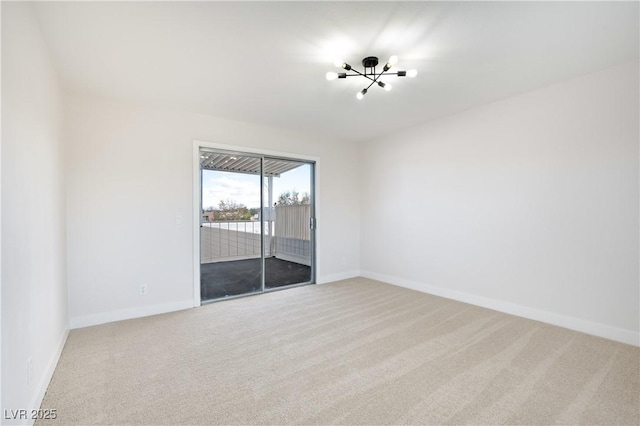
{"x":331,"y":75}
{"x":385,"y":86}
{"x":391,"y":62}
{"x":342,"y":64}
{"x":359,"y":95}
{"x":412,"y":73}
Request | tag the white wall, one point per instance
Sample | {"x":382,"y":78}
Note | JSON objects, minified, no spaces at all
{"x":34,"y":294}
{"x":130,"y":173}
{"x":1,"y":404}
{"x":528,"y":205}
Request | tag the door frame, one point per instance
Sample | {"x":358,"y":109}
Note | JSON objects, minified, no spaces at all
{"x":197,"y":193}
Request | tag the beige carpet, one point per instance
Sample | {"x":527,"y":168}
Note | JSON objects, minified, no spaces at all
{"x":351,"y":352}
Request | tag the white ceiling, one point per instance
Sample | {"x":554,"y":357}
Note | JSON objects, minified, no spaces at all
{"x":264,"y":62}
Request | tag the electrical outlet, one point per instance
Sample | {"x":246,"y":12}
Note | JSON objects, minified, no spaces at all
{"x":343,"y":260}
{"x":178,"y":219}
{"x":29,"y":370}
{"x":143,"y":289}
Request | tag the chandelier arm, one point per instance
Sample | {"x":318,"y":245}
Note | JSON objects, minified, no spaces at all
{"x":359,"y":73}
{"x":369,"y":86}
{"x":369,"y":75}
{"x":376,"y":77}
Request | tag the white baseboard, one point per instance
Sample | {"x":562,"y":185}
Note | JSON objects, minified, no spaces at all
{"x":124,"y":314}
{"x":43,"y":384}
{"x":589,"y":327}
{"x":323,"y":279}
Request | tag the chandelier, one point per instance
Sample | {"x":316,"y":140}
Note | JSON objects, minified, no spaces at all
{"x":369,"y":63}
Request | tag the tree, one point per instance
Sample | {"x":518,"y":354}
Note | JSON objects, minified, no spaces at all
{"x":291,"y":198}
{"x":232,"y":210}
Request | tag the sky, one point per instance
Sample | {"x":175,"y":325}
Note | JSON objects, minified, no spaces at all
{"x":245,"y":188}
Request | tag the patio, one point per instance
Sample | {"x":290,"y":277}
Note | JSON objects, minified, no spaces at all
{"x":230,"y":254}
{"x":232,"y":278}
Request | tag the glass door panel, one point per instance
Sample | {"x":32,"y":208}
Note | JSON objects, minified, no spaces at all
{"x":288,"y":236}
{"x":230,"y":231}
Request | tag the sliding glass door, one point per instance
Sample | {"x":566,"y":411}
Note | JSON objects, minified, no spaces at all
{"x":256,"y":228}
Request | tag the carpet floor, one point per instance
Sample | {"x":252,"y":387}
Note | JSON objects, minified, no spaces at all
{"x":232,"y":278}
{"x":351,"y":352}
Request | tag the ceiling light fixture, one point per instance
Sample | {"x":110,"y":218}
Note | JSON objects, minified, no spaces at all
{"x":369,"y":63}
